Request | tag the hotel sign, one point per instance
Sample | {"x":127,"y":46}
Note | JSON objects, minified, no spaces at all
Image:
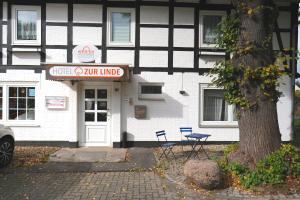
{"x":86,"y":53}
{"x":87,"y":72}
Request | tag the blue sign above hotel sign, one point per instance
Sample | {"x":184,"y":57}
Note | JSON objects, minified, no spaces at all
{"x":87,"y":72}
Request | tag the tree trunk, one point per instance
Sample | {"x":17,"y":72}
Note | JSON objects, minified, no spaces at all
{"x":259,"y":130}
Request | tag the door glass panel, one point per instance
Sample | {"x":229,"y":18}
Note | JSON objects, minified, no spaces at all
{"x":90,"y":94}
{"x":89,"y":117}
{"x":102,"y":94}
{"x":101,"y":117}
{"x":89,"y":105}
{"x":101,"y":105}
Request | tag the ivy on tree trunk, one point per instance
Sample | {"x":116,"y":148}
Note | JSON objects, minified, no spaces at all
{"x":259,"y":130}
{"x":251,"y":76}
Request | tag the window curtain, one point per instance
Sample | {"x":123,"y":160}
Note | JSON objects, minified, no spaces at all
{"x":215,"y":106}
{"x":26,"y":25}
{"x":209,"y":28}
{"x":120,"y":25}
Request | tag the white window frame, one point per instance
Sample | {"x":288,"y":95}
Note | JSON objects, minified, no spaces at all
{"x":201,"y":26}
{"x":202,"y":123}
{"x":132,"y":26}
{"x":5,"y":112}
{"x":15,"y":41}
{"x":154,"y":97}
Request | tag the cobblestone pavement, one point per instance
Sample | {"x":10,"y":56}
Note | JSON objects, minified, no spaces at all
{"x":107,"y":185}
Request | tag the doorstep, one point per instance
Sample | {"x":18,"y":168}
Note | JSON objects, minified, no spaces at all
{"x":89,"y":154}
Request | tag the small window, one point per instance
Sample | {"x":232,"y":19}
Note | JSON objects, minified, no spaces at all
{"x":208,"y":25}
{"x":215,"y":110}
{"x":121,"y":26}
{"x":21,"y":103}
{"x":26,"y":25}
{"x":151,"y":91}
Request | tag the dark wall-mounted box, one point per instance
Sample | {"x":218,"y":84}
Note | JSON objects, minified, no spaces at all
{"x":140,"y":111}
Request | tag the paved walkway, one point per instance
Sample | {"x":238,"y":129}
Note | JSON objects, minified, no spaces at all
{"x":114,"y":181}
{"x":139,"y":159}
{"x":106,"y":185}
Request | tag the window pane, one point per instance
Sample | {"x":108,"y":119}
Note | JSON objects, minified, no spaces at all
{"x":13,"y":92}
{"x":89,"y":105}
{"x":22,"y":114}
{"x":102,"y":94}
{"x":26,"y":25}
{"x":101,"y":117}
{"x":31,"y":92}
{"x":12,"y":103}
{"x":151,"y":89}
{"x":101,"y":105}
{"x":90,"y":94}
{"x":22,"y":91}
{"x":22,"y":103}
{"x":30,"y":115}
{"x":13,"y":114}
{"x":89,"y":117}
{"x":120,"y":27}
{"x":210,"y":28}
{"x":215,"y":106}
{"x":31,"y":103}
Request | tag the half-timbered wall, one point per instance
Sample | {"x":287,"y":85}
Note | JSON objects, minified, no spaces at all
{"x":166,"y":49}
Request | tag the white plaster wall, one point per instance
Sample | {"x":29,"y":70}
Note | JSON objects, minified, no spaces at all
{"x":4,"y":56}
{"x":183,"y":16}
{"x":209,"y":61}
{"x":120,"y":56}
{"x":154,"y":37}
{"x":183,"y":37}
{"x":4,"y":34}
{"x":284,"y":109}
{"x":154,"y":15}
{"x":87,"y":35}
{"x":56,"y":12}
{"x":183,"y":59}
{"x":56,"y":35}
{"x":87,"y":13}
{"x":56,"y":55}
{"x":4,"y":11}
{"x":26,"y":58}
{"x":177,"y":110}
{"x":153,"y":58}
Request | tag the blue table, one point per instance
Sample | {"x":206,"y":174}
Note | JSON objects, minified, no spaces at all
{"x":198,"y":140}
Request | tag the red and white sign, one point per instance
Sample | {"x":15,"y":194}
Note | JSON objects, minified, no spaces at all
{"x":86,"y":72}
{"x":86,"y":53}
{"x":56,"y":102}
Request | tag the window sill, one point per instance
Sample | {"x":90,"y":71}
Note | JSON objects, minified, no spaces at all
{"x":20,"y":124}
{"x":24,"y":50}
{"x":218,"y":125}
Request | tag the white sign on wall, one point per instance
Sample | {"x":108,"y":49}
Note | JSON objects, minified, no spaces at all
{"x":86,"y":53}
{"x":56,"y":102}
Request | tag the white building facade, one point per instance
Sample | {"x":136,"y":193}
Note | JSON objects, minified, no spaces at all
{"x":162,"y":51}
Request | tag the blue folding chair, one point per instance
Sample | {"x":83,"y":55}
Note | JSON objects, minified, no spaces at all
{"x":185,"y":131}
{"x":164,"y":144}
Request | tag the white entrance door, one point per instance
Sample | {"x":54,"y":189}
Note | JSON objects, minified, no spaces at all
{"x":96,"y":116}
